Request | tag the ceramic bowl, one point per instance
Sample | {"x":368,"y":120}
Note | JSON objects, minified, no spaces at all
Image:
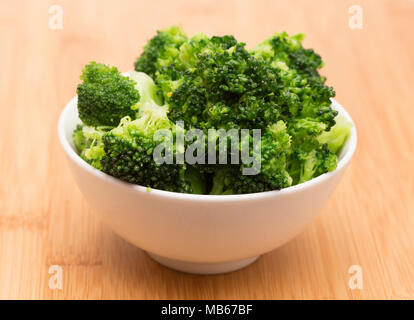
{"x":202,"y":234}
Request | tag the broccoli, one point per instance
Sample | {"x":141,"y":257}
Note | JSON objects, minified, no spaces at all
{"x":196,"y":180}
{"x":161,"y":50}
{"x":274,"y":150}
{"x":79,"y":139}
{"x":105,"y":96}
{"x":88,"y":142}
{"x":337,"y":136}
{"x":308,"y":157}
{"x":303,"y":88}
{"x":210,"y":84}
{"x":129,"y":157}
{"x":285,"y":52}
{"x":216,"y":83}
{"x":129,"y":147}
{"x":222,"y":180}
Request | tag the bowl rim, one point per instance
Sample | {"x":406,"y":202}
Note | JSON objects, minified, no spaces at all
{"x":73,"y":156}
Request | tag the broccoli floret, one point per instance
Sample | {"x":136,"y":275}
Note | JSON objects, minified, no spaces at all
{"x":273,"y":175}
{"x":129,"y":148}
{"x":308,"y":157}
{"x":337,"y":136}
{"x":276,"y":143}
{"x":79,"y":139}
{"x":88,"y":143}
{"x":129,"y":152}
{"x":161,"y":50}
{"x":284,"y":52}
{"x":216,"y":83}
{"x":105,"y":96}
{"x":315,"y":163}
{"x":303,"y":89}
{"x":131,"y":159}
{"x":196,"y":180}
{"x":129,"y":156}
{"x":274,"y":149}
{"x":223,"y":180}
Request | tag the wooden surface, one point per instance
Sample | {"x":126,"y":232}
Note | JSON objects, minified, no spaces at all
{"x":44,"y":219}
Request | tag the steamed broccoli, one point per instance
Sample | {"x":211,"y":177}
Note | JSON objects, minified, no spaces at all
{"x":79,"y":139}
{"x":129,"y":147}
{"x":211,"y":84}
{"x":88,"y":142}
{"x":105,"y":96}
{"x":285,"y":52}
{"x":216,"y":83}
{"x":273,"y":175}
{"x":161,"y":50}
{"x":223,"y":178}
{"x":337,"y":136}
{"x":303,"y":88}
{"x":129,"y":157}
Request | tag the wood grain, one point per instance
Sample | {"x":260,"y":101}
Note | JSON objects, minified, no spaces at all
{"x":44,"y":220}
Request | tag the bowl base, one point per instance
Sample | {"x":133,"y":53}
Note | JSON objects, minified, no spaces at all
{"x":203,"y":268}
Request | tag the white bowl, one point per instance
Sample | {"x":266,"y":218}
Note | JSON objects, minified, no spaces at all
{"x":202,"y":234}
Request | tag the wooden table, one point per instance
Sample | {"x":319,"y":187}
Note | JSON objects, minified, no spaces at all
{"x":45,"y":221}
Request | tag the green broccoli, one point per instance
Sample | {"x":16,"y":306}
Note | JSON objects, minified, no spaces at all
{"x":285,"y":52}
{"x":129,"y":148}
{"x":79,"y":139}
{"x":274,"y":150}
{"x":210,"y":84}
{"x":303,"y":90}
{"x":223,"y":178}
{"x":161,"y":50}
{"x":105,"y":96}
{"x":195,"y":179}
{"x":129,"y":157}
{"x":216,"y":83}
{"x":337,"y":136}
{"x":88,"y":142}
